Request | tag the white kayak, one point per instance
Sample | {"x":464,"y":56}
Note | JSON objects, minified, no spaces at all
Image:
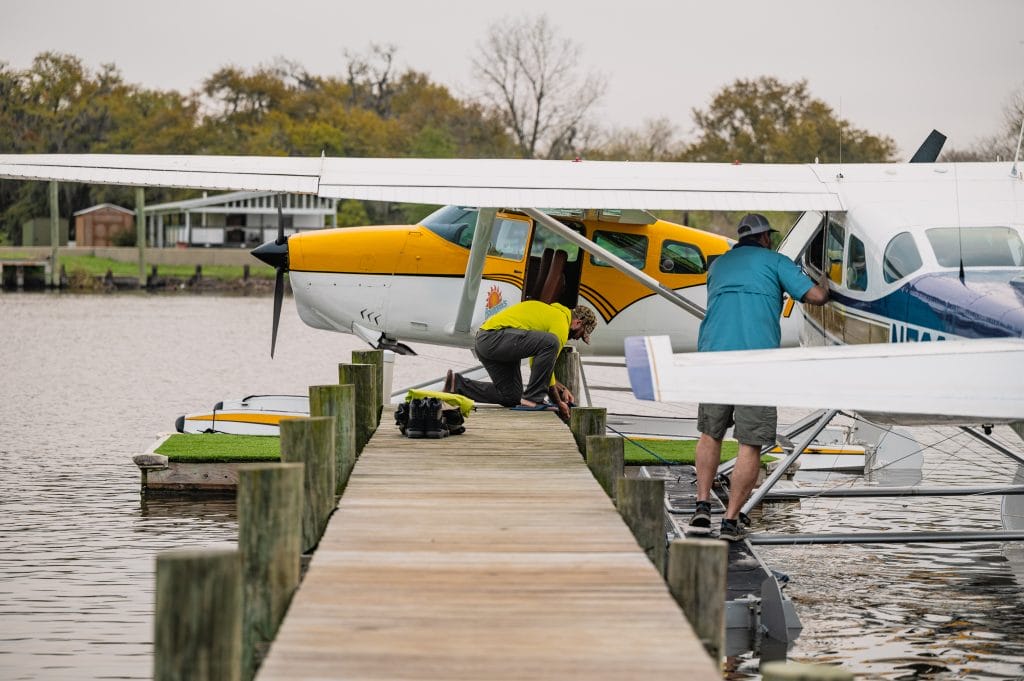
{"x":252,"y":415}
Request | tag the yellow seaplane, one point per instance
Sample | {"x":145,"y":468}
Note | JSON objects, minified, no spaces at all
{"x":390,"y":284}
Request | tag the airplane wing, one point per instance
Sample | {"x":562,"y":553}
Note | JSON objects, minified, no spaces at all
{"x":977,"y":381}
{"x":476,"y":182}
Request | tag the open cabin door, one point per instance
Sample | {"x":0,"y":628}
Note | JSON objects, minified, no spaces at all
{"x":554,"y":266}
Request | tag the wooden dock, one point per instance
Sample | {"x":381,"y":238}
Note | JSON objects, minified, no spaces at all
{"x":489,"y":555}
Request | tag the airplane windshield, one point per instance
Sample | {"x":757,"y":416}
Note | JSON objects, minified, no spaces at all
{"x":453,"y":223}
{"x":979,"y":246}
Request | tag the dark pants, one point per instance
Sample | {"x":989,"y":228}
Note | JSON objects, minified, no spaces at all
{"x":501,"y":351}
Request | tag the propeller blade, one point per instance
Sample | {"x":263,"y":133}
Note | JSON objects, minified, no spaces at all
{"x":280,"y":222}
{"x":278,"y":298}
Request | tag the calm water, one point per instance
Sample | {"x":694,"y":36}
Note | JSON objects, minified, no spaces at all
{"x":86,"y":382}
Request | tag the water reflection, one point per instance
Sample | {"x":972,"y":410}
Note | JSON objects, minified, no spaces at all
{"x":89,"y":381}
{"x":917,"y":611}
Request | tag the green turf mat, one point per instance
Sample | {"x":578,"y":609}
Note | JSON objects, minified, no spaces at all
{"x":674,"y":451}
{"x":220,"y":448}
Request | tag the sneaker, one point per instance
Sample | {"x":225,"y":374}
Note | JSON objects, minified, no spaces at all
{"x":732,"y":530}
{"x":402,"y":416}
{"x":700,"y":521}
{"x":433,"y":424}
{"x":416,"y":426}
{"x":454,"y":420}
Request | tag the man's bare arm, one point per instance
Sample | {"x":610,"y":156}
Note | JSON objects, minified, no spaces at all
{"x":818,"y":295}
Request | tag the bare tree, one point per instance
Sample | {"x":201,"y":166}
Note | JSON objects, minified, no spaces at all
{"x":1003,"y":144}
{"x":370,"y":78}
{"x":531,"y":77}
{"x":655,"y":140}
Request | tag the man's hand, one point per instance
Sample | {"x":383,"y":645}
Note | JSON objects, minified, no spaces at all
{"x":564,"y":394}
{"x":556,"y":398}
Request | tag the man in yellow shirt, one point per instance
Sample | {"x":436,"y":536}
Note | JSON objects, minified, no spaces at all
{"x":528,"y":329}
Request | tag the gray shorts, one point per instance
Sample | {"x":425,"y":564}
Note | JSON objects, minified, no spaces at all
{"x":754,"y":425}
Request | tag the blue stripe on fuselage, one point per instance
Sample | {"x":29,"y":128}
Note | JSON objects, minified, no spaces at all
{"x":987,"y":305}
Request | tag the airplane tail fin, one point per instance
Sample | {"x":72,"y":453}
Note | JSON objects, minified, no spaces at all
{"x":929,"y":150}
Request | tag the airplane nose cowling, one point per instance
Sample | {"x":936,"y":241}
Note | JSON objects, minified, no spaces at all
{"x":273,"y":253}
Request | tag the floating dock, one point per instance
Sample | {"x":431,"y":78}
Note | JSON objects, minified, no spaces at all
{"x":490,"y":555}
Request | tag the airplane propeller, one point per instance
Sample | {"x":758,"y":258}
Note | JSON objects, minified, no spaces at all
{"x":275,"y":254}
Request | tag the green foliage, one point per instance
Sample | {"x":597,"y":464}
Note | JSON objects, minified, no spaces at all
{"x":352,"y":213}
{"x":59,"y":106}
{"x":126,"y":237}
{"x":414,"y":212}
{"x":768,"y":121}
{"x":220,"y":448}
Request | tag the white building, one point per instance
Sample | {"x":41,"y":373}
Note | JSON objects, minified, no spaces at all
{"x":235,"y":219}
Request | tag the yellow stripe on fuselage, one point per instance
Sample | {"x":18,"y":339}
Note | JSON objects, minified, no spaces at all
{"x":414,"y":250}
{"x":244,"y":417}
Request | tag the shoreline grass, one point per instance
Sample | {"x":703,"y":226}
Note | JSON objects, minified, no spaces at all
{"x":97,"y":267}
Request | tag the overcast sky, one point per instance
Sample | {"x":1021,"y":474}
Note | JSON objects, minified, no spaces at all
{"x":895,"y":67}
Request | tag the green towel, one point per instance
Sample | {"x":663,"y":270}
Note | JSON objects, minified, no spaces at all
{"x":464,"y":404}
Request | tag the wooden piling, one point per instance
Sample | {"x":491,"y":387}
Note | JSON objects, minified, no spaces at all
{"x":584,"y":421}
{"x":270,"y":545}
{"x":310,"y":441}
{"x":696,"y":575}
{"x":198,"y":623}
{"x":567,"y":370}
{"x":606,"y":460}
{"x":363,"y":377}
{"x":376,"y":358}
{"x":796,"y":671}
{"x":338,"y":402}
{"x":641,"y":501}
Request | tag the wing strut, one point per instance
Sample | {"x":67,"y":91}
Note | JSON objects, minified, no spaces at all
{"x":616,"y":262}
{"x":474,"y":268}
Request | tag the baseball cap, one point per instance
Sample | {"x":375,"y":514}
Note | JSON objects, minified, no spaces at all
{"x":753,"y":223}
{"x":588,"y":319}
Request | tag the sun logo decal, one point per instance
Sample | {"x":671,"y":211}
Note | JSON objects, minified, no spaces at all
{"x":494,"y":302}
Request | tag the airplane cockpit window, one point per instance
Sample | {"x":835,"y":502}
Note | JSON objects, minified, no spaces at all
{"x":630,"y":247}
{"x":856,"y":266}
{"x":901,"y":258}
{"x":680,"y":258}
{"x":453,"y":223}
{"x":827,"y":245}
{"x":508,"y":238}
{"x":978,"y":246}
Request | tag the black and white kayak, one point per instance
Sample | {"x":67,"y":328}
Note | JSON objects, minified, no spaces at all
{"x":252,"y":415}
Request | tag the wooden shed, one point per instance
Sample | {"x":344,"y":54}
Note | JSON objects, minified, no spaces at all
{"x":101,"y":224}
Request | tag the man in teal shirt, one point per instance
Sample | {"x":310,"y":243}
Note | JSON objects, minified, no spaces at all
{"x":745,"y":288}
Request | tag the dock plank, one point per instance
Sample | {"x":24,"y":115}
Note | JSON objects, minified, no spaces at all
{"x":490,"y":555}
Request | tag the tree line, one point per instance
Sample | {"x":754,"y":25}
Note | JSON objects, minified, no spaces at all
{"x":534,"y":100}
